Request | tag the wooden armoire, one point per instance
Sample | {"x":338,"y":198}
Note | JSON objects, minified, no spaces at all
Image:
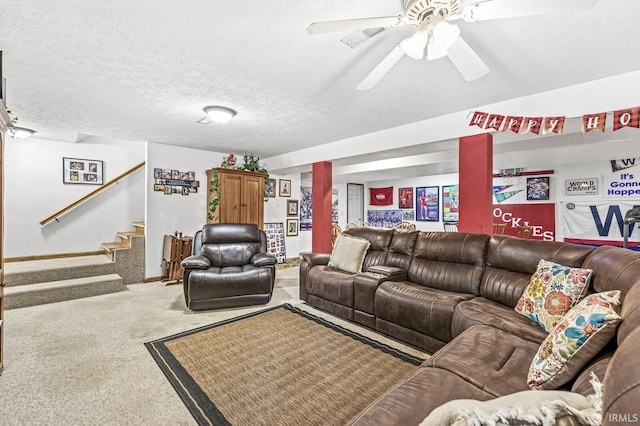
{"x":241,"y":196}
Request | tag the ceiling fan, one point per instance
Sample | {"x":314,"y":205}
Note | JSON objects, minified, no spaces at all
{"x":436,"y":37}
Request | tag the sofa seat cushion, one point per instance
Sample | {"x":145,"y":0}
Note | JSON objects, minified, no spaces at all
{"x":331,"y":284}
{"x":411,"y":401}
{"x":422,"y":309}
{"x":484,"y":311}
{"x":495,"y":361}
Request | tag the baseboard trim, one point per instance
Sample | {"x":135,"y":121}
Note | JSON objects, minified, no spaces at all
{"x":51,"y":256}
{"x":152,"y":279}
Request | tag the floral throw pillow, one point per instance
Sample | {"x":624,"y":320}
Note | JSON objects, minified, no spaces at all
{"x":553,"y":289}
{"x":578,"y":337}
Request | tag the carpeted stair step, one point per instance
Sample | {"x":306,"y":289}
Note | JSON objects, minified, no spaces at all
{"x":57,"y":291}
{"x":36,"y":271}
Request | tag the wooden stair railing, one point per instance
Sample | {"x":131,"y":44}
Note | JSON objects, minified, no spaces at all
{"x":91,"y":194}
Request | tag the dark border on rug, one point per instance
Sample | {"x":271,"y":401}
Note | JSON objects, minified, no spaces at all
{"x":203,"y":410}
{"x":198,"y":403}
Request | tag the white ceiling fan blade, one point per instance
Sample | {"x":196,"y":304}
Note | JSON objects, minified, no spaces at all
{"x":498,"y":9}
{"x":467,"y":61}
{"x":353,"y":24}
{"x":383,"y":68}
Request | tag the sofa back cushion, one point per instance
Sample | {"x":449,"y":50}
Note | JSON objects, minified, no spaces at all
{"x":401,"y":249}
{"x":512,"y":261}
{"x":226,"y":244}
{"x":380,"y":239}
{"x":451,"y":261}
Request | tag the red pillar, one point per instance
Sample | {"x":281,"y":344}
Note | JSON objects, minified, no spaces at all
{"x":321,"y":207}
{"x":475,"y":161}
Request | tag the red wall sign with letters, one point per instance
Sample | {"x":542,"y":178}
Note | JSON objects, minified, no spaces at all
{"x":540,"y":217}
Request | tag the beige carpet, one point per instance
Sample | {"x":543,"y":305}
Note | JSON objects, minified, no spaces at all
{"x":83,"y":362}
{"x":281,"y":366}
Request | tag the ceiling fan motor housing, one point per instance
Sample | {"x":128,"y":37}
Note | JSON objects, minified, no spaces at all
{"x":423,"y":12}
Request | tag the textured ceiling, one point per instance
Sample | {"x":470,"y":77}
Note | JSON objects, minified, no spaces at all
{"x":143,"y":70}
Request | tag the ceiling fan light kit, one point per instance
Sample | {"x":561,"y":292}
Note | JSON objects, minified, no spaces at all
{"x":436,"y":35}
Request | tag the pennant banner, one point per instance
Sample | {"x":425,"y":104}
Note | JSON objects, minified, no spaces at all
{"x":629,"y":117}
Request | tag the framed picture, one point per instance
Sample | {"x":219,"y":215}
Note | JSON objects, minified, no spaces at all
{"x":292,"y":208}
{"x":292,"y":227}
{"x":405,"y":198}
{"x":76,"y":170}
{"x":270,"y":188}
{"x":285,"y":188}
{"x":427,"y":203}
{"x":537,"y":188}
{"x":450,"y":203}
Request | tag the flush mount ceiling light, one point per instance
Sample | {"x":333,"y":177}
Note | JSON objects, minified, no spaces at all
{"x":219,"y":114}
{"x":20,"y":132}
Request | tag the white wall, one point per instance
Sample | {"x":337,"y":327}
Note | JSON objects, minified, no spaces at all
{"x":34,"y":190}
{"x":438,"y":180}
{"x":166,"y":214}
{"x":275,"y":210}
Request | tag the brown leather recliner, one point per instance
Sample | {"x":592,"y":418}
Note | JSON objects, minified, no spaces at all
{"x":230,"y":267}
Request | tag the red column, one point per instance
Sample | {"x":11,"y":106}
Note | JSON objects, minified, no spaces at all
{"x":321,"y":208}
{"x":475,"y":161}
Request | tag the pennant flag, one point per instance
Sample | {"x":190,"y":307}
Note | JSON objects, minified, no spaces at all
{"x":381,"y":196}
{"x":625,"y":163}
{"x":626,"y":118}
{"x":532,"y":125}
{"x":513,"y":124}
{"x":479,"y":119}
{"x":553,"y":125}
{"x":500,"y":188}
{"x":495,"y":122}
{"x":594,"y":122}
{"x":505,"y":195}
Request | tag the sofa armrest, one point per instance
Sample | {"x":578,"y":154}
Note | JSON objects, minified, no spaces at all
{"x":263,"y":259}
{"x":196,"y":262}
{"x":314,"y":259}
{"x":391,"y":273}
{"x":365,"y":285}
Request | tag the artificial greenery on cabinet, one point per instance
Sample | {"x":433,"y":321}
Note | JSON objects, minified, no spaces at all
{"x":251,"y":164}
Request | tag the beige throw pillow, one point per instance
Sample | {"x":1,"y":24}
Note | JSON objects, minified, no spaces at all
{"x":348,"y":253}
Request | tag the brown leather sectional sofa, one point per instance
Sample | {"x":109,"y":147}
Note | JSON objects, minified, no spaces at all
{"x":453,"y":294}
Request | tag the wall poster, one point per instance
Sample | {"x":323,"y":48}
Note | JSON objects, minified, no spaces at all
{"x":405,"y":198}
{"x":450,"y":203}
{"x":384,"y":218}
{"x":427,"y":203}
{"x":275,"y":240}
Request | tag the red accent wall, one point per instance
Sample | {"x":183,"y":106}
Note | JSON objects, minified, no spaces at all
{"x":321,"y":201}
{"x":475,"y":168}
{"x":540,"y":217}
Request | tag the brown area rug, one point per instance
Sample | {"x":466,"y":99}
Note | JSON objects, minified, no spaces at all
{"x":279,"y":366}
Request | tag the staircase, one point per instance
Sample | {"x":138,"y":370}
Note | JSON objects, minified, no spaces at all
{"x":36,"y":282}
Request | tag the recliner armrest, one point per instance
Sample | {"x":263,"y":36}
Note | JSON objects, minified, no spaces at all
{"x":196,"y":262}
{"x":263,"y":259}
{"x":392,"y":272}
{"x":314,"y":259}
